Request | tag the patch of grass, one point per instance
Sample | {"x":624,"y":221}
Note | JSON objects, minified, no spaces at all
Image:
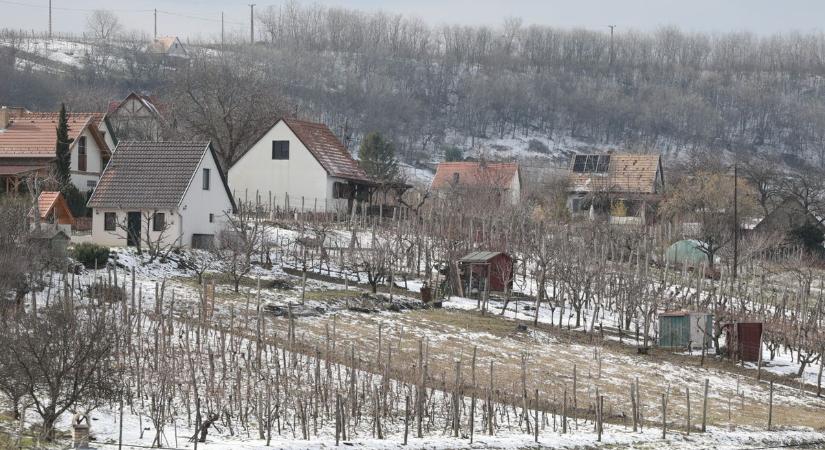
{"x":331,"y":294}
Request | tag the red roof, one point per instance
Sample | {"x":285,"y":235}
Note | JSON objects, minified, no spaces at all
{"x":327,"y":149}
{"x":34,"y":135}
{"x":45,"y":202}
{"x":18,"y":169}
{"x":475,"y":174}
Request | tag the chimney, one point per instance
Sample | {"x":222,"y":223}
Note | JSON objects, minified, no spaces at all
{"x":5,"y":118}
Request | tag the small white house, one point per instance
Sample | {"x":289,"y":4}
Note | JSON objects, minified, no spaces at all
{"x":168,"y":47}
{"x":299,"y":165}
{"x":169,"y":192}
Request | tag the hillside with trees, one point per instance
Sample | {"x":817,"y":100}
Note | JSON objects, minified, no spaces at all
{"x":429,"y":87}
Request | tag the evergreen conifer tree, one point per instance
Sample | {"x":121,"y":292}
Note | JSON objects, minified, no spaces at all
{"x":63,"y":151}
{"x":378,"y":158}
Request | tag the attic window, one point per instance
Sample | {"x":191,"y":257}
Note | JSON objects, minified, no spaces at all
{"x":280,"y":150}
{"x":81,"y":154}
{"x":456,"y":176}
{"x":591,"y":163}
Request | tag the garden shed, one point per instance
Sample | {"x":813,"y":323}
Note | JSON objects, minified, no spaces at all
{"x":686,"y":253}
{"x":484,"y":268}
{"x":680,"y":329}
{"x":743,"y":340}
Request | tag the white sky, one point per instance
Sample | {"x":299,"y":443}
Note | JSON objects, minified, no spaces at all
{"x":758,"y":16}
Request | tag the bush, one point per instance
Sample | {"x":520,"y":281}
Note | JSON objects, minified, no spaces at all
{"x":91,"y":255}
{"x":76,"y":201}
{"x":453,"y":154}
{"x":535,"y":145}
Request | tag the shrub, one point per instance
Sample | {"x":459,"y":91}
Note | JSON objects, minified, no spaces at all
{"x":76,"y":200}
{"x":453,"y":154}
{"x":91,"y":255}
{"x":535,"y":145}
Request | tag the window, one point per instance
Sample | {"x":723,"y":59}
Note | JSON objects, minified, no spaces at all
{"x":280,"y":149}
{"x":591,"y":163}
{"x":205,"y":179}
{"x":91,"y":184}
{"x":159,"y":222}
{"x":81,"y":154}
{"x":211,"y":218}
{"x":109,"y":221}
{"x":456,"y":176}
{"x":341,"y":190}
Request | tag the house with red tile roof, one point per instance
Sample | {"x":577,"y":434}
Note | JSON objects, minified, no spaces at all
{"x":54,"y":211}
{"x":479,"y":177}
{"x":28,"y":147}
{"x":300,"y":165}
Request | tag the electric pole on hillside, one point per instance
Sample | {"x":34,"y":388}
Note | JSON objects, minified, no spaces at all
{"x":222,"y":38}
{"x":50,"y":19}
{"x":611,"y":43}
{"x":156,"y":23}
{"x":735,"y":219}
{"x":252,"y":23}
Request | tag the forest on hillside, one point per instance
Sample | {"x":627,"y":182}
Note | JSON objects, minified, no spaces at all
{"x":669,"y":90}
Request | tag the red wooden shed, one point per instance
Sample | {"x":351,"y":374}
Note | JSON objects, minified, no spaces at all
{"x":483,"y":265}
{"x":743,"y":340}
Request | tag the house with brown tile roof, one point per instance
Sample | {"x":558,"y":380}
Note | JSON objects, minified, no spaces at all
{"x":170,"y":192}
{"x":622,"y":186}
{"x":299,"y":164}
{"x":479,"y":177}
{"x":28,"y":147}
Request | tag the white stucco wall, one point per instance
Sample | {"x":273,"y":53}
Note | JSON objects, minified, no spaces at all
{"x":515,"y":190}
{"x":299,"y":176}
{"x":117,"y":238}
{"x":94,"y":163}
{"x":198,"y":203}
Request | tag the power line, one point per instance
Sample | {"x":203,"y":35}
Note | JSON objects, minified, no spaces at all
{"x":58,"y":8}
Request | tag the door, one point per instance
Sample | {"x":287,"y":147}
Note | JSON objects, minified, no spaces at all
{"x":133,"y":227}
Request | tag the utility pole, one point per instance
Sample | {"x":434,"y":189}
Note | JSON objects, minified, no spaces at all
{"x":735,"y":219}
{"x":222,"y":38}
{"x":252,"y":23}
{"x":156,"y":23}
{"x":50,"y":19}
{"x":611,"y":43}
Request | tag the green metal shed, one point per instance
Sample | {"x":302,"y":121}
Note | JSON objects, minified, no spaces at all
{"x":686,"y":252}
{"x":680,"y":329}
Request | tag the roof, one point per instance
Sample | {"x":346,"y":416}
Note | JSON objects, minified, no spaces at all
{"x":16,"y":169}
{"x":327,"y":149}
{"x":34,"y":135}
{"x":626,"y":173}
{"x":48,"y":200}
{"x":150,"y":102}
{"x":475,"y":174}
{"x":163,"y":44}
{"x":149,"y":174}
{"x":682,"y":313}
{"x":480,"y":257}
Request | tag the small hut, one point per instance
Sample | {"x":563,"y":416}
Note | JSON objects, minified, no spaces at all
{"x":486,"y":271}
{"x":54,"y":211}
{"x":743,"y":340}
{"x":686,"y":253}
{"x":683,"y":329}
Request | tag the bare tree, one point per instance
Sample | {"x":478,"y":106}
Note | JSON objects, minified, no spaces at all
{"x":63,"y":357}
{"x":103,"y":24}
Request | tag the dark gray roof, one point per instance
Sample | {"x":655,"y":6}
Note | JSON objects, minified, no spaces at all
{"x":148,"y":174}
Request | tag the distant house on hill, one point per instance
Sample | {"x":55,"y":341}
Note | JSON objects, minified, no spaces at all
{"x":623,"y":187}
{"x":137,"y":118}
{"x":169,"y":49}
{"x":501,"y":181}
{"x":28,"y":147}
{"x":300,"y":165}
{"x":170,"y":192}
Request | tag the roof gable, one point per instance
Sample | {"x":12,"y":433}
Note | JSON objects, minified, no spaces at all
{"x":625,"y":173}
{"x":475,"y":174}
{"x":149,"y":175}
